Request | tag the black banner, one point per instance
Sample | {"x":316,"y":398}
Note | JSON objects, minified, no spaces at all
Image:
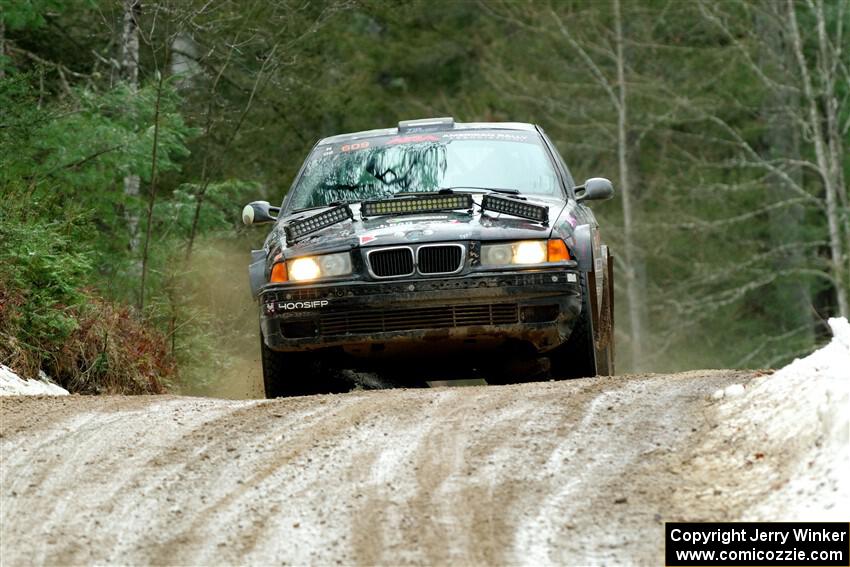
{"x":757,"y":543}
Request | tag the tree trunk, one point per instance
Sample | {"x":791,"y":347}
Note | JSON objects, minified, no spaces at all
{"x":152,"y":195}
{"x":829,"y":60}
{"x":635,"y":281}
{"x":782,"y":141}
{"x":828,"y":171}
{"x":130,"y":75}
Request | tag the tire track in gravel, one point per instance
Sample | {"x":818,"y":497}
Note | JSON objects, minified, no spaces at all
{"x":455,"y":483}
{"x":410,"y":503}
{"x":608,"y":427}
{"x":301,"y":458}
{"x":111,"y":482}
{"x":544,"y":473}
{"x":382,"y":491}
{"x":259,"y":443}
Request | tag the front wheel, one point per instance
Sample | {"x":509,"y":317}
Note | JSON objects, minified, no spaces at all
{"x":295,"y":374}
{"x":577,"y":357}
{"x":605,"y":330}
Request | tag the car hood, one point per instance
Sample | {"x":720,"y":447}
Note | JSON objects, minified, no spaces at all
{"x":411,"y":229}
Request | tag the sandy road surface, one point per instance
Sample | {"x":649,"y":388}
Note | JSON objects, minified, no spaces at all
{"x":575,"y":472}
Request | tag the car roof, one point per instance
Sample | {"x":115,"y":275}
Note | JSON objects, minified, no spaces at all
{"x":454,"y":126}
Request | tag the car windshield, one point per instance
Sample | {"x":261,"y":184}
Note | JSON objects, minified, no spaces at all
{"x":382,"y":166}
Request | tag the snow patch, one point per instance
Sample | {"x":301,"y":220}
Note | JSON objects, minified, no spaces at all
{"x":801,"y":414}
{"x":13,"y":385}
{"x":730,"y":391}
{"x":734,"y":390}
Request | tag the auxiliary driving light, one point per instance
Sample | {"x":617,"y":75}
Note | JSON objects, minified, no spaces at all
{"x":298,"y":228}
{"x":413,"y":205}
{"x":515,"y":208}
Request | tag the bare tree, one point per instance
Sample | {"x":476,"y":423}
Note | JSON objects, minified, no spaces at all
{"x":812,"y":105}
{"x":280,"y":50}
{"x":130,"y":75}
{"x":152,"y":193}
{"x":205,"y":176}
{"x":635,"y":285}
{"x":617,"y":79}
{"x":821,"y":125}
{"x":608,"y":68}
{"x":782,"y":139}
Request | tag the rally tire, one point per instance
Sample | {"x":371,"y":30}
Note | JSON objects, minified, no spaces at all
{"x":577,"y":357}
{"x":605,"y":333}
{"x":288,"y":374}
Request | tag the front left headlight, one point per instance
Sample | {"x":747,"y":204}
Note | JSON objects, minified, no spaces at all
{"x":521,"y":252}
{"x":524,"y":252}
{"x":309,"y":268}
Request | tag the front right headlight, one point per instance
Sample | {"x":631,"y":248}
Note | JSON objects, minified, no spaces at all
{"x":308,"y":268}
{"x":304,"y":269}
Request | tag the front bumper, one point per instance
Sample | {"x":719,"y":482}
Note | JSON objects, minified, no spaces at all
{"x":537,"y":308}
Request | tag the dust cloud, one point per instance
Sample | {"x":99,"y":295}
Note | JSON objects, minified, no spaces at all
{"x":218,"y":345}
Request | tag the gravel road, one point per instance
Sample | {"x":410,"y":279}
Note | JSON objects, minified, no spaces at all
{"x":576,"y":472}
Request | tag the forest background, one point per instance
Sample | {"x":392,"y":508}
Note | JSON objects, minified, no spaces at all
{"x":132,"y":132}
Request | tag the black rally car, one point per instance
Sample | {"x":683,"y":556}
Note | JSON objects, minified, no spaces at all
{"x":436,"y":241}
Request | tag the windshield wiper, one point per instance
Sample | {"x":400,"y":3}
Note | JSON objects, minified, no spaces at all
{"x":451,"y":190}
{"x":339,"y":186}
{"x":331,"y":204}
{"x":487,"y":189}
{"x":446,"y":191}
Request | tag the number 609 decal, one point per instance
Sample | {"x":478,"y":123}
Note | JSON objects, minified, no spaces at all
{"x":357,"y":146}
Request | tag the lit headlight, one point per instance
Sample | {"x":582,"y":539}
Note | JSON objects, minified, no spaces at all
{"x":314,"y":267}
{"x":530,"y":252}
{"x":524,"y":252}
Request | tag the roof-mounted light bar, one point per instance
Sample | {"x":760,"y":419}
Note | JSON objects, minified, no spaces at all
{"x":426,"y":125}
{"x":414,"y":205}
{"x":302,"y":227}
{"x":515,"y":208}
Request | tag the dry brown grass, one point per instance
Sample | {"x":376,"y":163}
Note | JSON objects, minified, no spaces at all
{"x":111,"y":350}
{"x":12,"y":353}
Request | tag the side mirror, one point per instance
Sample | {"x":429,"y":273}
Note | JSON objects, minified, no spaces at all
{"x":594,"y":189}
{"x":259,"y":212}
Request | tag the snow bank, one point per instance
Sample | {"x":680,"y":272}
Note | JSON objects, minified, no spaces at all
{"x":13,"y":385}
{"x":799,"y":418}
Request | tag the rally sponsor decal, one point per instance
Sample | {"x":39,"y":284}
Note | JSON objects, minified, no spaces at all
{"x":284,"y":306}
{"x":295,"y":305}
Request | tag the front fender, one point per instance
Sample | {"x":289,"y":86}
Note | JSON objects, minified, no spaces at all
{"x":583,"y":238}
{"x":257,"y":271}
